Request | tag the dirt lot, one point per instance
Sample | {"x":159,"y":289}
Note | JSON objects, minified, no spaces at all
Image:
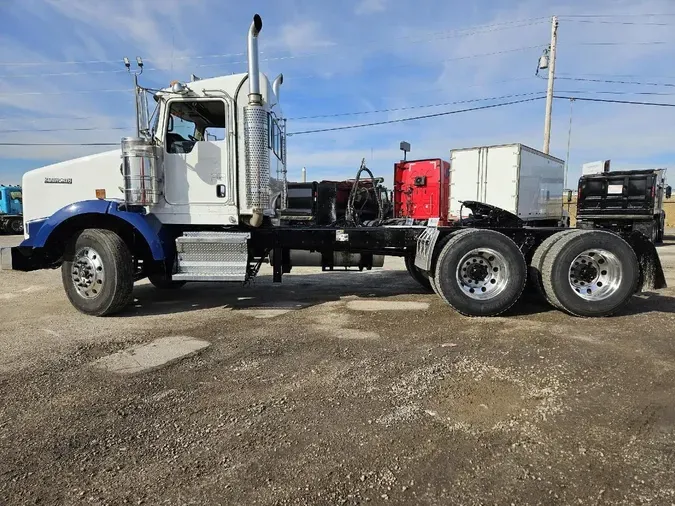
{"x":329,"y":389}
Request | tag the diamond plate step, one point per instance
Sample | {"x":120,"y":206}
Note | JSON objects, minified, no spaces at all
{"x":212,"y":256}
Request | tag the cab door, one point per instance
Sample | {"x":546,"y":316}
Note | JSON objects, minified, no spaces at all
{"x":197,"y":154}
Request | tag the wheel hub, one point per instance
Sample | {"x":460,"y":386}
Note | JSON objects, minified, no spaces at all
{"x":87,"y":273}
{"x":595,"y":274}
{"x":482,"y":273}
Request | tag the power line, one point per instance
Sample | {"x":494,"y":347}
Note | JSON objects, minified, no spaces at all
{"x":426,"y":116}
{"x":357,"y":113}
{"x":628,"y":43}
{"x":616,"y":75}
{"x":76,"y":129}
{"x":59,"y":144}
{"x":419,"y":63}
{"x":518,"y":23}
{"x":610,"y":101}
{"x":74,"y":92}
{"x":629,"y":15}
{"x":594,"y":22}
{"x":243,"y":61}
{"x":610,"y":81}
{"x":603,"y":92}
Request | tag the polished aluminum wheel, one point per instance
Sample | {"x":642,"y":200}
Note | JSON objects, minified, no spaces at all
{"x":87,"y":273}
{"x":595,"y":274}
{"x":482,"y":273}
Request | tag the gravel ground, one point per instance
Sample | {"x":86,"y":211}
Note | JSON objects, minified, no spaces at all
{"x":335,"y":388}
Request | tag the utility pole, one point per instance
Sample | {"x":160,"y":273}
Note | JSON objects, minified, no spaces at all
{"x":304,"y":175}
{"x":551,"y":79}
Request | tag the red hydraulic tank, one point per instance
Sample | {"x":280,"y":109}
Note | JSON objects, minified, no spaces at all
{"x":422,"y":189}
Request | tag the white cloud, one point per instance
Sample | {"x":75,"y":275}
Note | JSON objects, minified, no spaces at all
{"x":303,"y":37}
{"x":370,"y":6}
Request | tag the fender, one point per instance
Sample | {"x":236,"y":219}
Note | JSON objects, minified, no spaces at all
{"x":149,"y":227}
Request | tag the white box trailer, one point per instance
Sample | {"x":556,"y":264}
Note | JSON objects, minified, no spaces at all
{"x":513,"y":177}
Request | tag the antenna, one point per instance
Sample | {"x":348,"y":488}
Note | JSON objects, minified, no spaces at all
{"x":137,"y":90}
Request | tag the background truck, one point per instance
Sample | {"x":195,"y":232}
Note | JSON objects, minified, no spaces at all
{"x":513,"y":177}
{"x":624,"y":201}
{"x":186,"y":207}
{"x":11,"y":209}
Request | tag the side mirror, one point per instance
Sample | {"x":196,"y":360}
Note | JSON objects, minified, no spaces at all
{"x":569,"y":195}
{"x":669,"y":192}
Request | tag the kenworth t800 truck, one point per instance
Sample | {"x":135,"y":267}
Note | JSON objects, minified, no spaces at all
{"x":200,"y":195}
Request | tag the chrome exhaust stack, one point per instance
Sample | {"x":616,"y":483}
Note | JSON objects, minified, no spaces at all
{"x":254,"y":96}
{"x":256,"y":127}
{"x":276,"y":84}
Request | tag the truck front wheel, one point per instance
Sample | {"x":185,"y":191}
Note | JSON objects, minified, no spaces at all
{"x":97,"y":272}
{"x":480,"y":273}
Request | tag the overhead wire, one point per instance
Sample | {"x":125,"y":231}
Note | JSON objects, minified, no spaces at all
{"x":400,"y":120}
{"x":394,"y":109}
{"x":59,"y":143}
{"x":611,"y":81}
{"x":518,"y":23}
{"x":458,"y":58}
{"x":413,"y":118}
{"x":612,"y":101}
{"x":69,"y":129}
{"x":599,"y":22}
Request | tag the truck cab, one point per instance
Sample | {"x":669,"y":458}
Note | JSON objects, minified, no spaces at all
{"x":11,"y":208}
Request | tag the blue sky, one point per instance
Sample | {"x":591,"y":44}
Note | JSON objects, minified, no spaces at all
{"x":347,"y":56}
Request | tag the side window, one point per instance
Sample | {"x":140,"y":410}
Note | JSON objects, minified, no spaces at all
{"x":275,"y":141}
{"x":194,"y":121}
{"x":215,"y":134}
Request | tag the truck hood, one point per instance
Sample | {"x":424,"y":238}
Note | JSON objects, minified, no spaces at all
{"x":50,"y":188}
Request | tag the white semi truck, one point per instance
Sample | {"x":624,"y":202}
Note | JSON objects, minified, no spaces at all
{"x":200,"y":195}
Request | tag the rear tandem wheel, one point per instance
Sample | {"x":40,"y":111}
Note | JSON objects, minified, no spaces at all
{"x":480,"y":272}
{"x":590,"y":273}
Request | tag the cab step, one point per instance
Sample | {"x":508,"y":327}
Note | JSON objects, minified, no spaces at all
{"x":212,"y":256}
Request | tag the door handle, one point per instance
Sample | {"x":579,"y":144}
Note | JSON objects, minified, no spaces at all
{"x":220,"y":191}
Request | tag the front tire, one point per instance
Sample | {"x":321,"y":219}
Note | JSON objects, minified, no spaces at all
{"x":480,"y":273}
{"x":97,"y":272}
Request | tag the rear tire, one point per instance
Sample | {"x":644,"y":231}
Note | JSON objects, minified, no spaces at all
{"x":417,"y":274}
{"x":97,"y":272}
{"x":535,"y":282}
{"x":480,"y":273}
{"x":590,"y":273}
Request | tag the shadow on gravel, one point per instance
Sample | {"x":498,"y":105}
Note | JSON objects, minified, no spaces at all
{"x":300,"y":291}
{"x":295,"y":292}
{"x":649,"y":302}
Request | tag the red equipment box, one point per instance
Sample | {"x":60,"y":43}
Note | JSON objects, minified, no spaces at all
{"x":422,"y":189}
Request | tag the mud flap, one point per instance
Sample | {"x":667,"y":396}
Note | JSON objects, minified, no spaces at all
{"x":651,"y":270}
{"x":426,"y":244}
